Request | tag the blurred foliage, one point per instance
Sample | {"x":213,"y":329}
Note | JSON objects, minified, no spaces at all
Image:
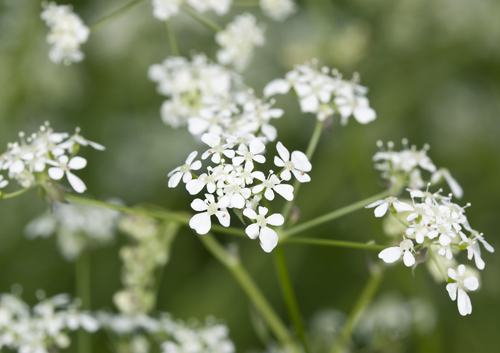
{"x":433,"y":68}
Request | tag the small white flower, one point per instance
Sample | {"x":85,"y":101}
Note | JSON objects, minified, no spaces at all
{"x":393,"y":254}
{"x":201,"y":222}
{"x":462,"y":283}
{"x":268,"y":237}
{"x":184,"y":171}
{"x":383,"y":206}
{"x":278,"y":10}
{"x":357,"y":106}
{"x":164,"y":9}
{"x":249,"y":154}
{"x":473,"y":248}
{"x":272,"y":184}
{"x":216,"y":148}
{"x":298,"y":165}
{"x":3,"y":183}
{"x":236,"y":192}
{"x":63,"y":166}
{"x":209,"y":179}
{"x":220,"y":7}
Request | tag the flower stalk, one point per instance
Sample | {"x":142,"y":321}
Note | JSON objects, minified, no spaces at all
{"x":114,"y":15}
{"x":207,"y":22}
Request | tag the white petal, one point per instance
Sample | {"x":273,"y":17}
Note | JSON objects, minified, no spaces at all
{"x":258,"y":188}
{"x":96,"y":145}
{"x":174,"y":180}
{"x":452,"y":274}
{"x":210,"y":139}
{"x":77,"y":163}
{"x":444,"y":240}
{"x":248,"y":212}
{"x":252,"y":231}
{"x":278,"y":86}
{"x":286,"y":175}
{"x":381,"y":210}
{"x":275,"y":219}
{"x":259,"y":175}
{"x":199,"y":205}
{"x":259,"y":158}
{"x":301,"y":162}
{"x":455,"y":187}
{"x":237,"y":201}
{"x":194,"y":186}
{"x":201,"y":223}
{"x":461,"y":270}
{"x":364,"y":114}
{"x":191,"y":157}
{"x":256,"y":146}
{"x":187,"y":177}
{"x":301,"y":176}
{"x":452,"y":290}
{"x":464,"y":303}
{"x":56,"y":173}
{"x":238,"y":160}
{"x":309,"y":104}
{"x":223,"y":202}
{"x":223,"y":217}
{"x":76,"y":183}
{"x":376,"y":203}
{"x":285,"y":190}
{"x":471,"y":283}
{"x":278,"y":162}
{"x":268,"y":194}
{"x":268,"y":239}
{"x":408,"y":259}
{"x":263,"y":210}
{"x":390,"y":255}
{"x":402,"y":206}
{"x":283,"y":152}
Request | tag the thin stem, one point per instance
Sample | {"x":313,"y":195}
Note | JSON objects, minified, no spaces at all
{"x":15,"y":193}
{"x":83,"y":292}
{"x":399,"y":219}
{"x":336,"y":243}
{"x":313,"y":143}
{"x":253,"y":292}
{"x":445,"y":277}
{"x":168,"y":234}
{"x":334,"y":214}
{"x":289,"y":296}
{"x":207,"y":22}
{"x":172,"y":40}
{"x":165,"y":215}
{"x":112,"y":16}
{"x":360,"y":306}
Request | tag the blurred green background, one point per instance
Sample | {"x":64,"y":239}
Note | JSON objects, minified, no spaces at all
{"x":433,"y":69}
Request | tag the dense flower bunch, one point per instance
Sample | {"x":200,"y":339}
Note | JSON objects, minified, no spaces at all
{"x":210,"y":98}
{"x":46,"y":153}
{"x":165,"y":9}
{"x":436,"y":221}
{"x":172,"y":336}
{"x":324,"y":92}
{"x":67,"y":33}
{"x":78,"y":227}
{"x":238,"y":40}
{"x":278,"y":9}
{"x":406,"y":167}
{"x":234,"y":183}
{"x":43,"y":328}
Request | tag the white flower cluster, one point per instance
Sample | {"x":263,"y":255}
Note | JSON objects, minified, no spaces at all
{"x":324,"y":92}
{"x":405,"y":167}
{"x":236,"y":184}
{"x":43,"y":328}
{"x":436,"y":221}
{"x":27,"y":161}
{"x":165,"y":9}
{"x":210,"y":98}
{"x":238,"y":41}
{"x":78,"y":227}
{"x":278,"y":10}
{"x":67,"y":33}
{"x":175,"y":335}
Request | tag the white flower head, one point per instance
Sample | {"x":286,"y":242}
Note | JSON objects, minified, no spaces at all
{"x":201,"y":222}
{"x":217,"y":149}
{"x":164,"y":9}
{"x":393,"y":254}
{"x":268,"y":237}
{"x":272,"y":184}
{"x":461,"y":284}
{"x":184,"y":171}
{"x":298,"y":164}
{"x":383,"y":205}
{"x":250,"y":154}
{"x":64,"y":165}
{"x":278,"y":10}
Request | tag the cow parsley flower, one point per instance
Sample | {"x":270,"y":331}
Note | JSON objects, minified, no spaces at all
{"x":267,"y":236}
{"x":64,"y":165}
{"x":238,"y":40}
{"x":220,"y":7}
{"x":278,"y":10}
{"x":250,"y":154}
{"x":298,"y":164}
{"x":67,"y":33}
{"x":164,"y":9}
{"x":393,"y":254}
{"x":217,"y":148}
{"x":460,"y":285}
{"x":383,"y":205}
{"x":272,"y":184}
{"x":184,"y":171}
{"x":201,"y":222}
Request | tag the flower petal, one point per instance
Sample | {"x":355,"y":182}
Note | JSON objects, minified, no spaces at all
{"x":252,"y":231}
{"x":381,"y":210}
{"x":268,"y":239}
{"x":77,"y":163}
{"x":275,"y":219}
{"x":452,"y":290}
{"x":464,"y":303}
{"x":76,"y":183}
{"x":199,"y":205}
{"x":56,"y":173}
{"x":201,"y":223}
{"x":390,"y":255}
{"x":408,"y":259}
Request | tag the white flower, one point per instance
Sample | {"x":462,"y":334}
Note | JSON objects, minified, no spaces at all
{"x":236,"y":192}
{"x":164,"y":9}
{"x":298,"y":165}
{"x":216,"y":148}
{"x":383,"y":206}
{"x":272,"y":184}
{"x":278,"y":9}
{"x":249,"y":154}
{"x":268,"y":237}
{"x":473,"y":248}
{"x":359,"y":107}
{"x":64,"y":166}
{"x":238,"y":40}
{"x":201,"y":222}
{"x":455,"y":187}
{"x":67,"y":33}
{"x":209,"y":179}
{"x":184,"y":171}
{"x":462,"y":283}
{"x":3,"y":183}
{"x":393,"y":254}
{"x":221,"y":7}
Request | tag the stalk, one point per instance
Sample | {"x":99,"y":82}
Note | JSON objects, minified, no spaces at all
{"x":113,"y":16}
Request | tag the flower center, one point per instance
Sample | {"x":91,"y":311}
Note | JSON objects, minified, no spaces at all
{"x":248,"y":156}
{"x":289,"y":165}
{"x":212,"y":209}
{"x":185,"y":168}
{"x":261,"y":221}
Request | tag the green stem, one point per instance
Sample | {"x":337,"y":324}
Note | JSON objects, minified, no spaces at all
{"x":83,"y":292}
{"x":335,"y":214}
{"x":337,"y":243}
{"x":246,"y":3}
{"x":165,"y":215}
{"x":360,"y":306}
{"x":15,"y":193}
{"x":172,"y":40}
{"x":112,"y":16}
{"x":445,"y":277}
{"x":396,"y":216}
{"x":253,"y":292}
{"x":207,"y":22}
{"x":289,"y":296}
{"x":313,"y":143}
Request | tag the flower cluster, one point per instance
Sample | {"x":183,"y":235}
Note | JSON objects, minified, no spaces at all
{"x":45,"y":153}
{"x":209,"y":98}
{"x":324,"y":92}
{"x":43,"y":328}
{"x":67,"y":33}
{"x":237,"y":185}
{"x":439,"y":223}
{"x":149,"y":251}
{"x":405,"y":167}
{"x":238,"y":40}
{"x":78,"y":227}
{"x":278,"y":9}
{"x":165,"y":9}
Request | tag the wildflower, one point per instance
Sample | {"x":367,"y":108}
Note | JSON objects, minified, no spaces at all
{"x":249,"y":154}
{"x":201,"y":222}
{"x":164,"y":9}
{"x":393,"y":254}
{"x":268,"y":237}
{"x":216,"y":148}
{"x":220,"y":7}
{"x":278,"y":10}
{"x":461,"y":284}
{"x":298,"y":164}
{"x":383,"y":206}
{"x":272,"y":184}
{"x":184,"y":171}
{"x":64,"y":165}
{"x":473,"y":248}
